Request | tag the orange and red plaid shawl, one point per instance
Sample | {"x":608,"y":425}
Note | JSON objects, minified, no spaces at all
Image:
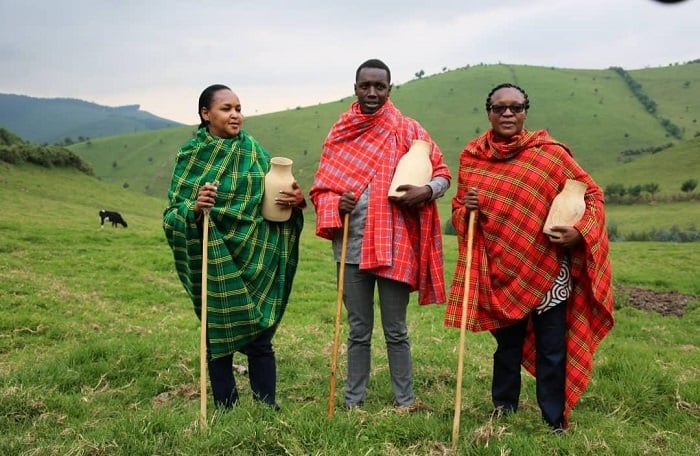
{"x":400,"y":244}
{"x":514,"y":264}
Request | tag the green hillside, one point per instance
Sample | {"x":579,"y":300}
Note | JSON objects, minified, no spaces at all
{"x":677,"y":90}
{"x":594,"y":111}
{"x":669,"y":168}
{"x":141,"y":161}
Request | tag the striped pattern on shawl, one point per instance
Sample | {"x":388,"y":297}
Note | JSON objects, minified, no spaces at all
{"x":251,"y":262}
{"x":514,"y":264}
{"x":400,"y":244}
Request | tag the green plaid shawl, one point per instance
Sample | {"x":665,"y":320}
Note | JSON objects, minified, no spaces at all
{"x":251,"y":262}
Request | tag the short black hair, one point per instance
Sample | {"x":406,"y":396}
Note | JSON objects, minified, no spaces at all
{"x":506,"y":85}
{"x":374,"y":63}
{"x":205,"y":100}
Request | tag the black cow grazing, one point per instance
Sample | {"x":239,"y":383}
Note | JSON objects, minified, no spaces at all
{"x":114,"y":217}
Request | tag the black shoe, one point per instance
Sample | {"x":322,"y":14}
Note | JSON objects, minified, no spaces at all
{"x":556,"y":426}
{"x":355,"y":405}
{"x":500,"y":412}
{"x":275,"y":406}
{"x":227,"y":404}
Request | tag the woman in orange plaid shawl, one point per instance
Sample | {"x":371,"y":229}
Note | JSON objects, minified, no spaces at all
{"x":547,"y":300}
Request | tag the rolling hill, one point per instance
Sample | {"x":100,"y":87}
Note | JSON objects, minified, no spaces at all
{"x":594,"y":111}
{"x":67,"y":120}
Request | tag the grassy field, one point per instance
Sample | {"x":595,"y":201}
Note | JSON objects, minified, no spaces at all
{"x":99,"y":351}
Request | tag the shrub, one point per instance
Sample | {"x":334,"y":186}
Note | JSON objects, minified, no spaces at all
{"x":673,"y":234}
{"x":614,"y":190}
{"x":689,"y":185}
{"x":613,"y":233}
{"x":635,"y":190}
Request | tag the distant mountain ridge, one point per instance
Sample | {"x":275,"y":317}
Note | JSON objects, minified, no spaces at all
{"x":66,"y":120}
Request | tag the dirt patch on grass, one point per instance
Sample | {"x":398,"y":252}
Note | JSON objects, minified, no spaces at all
{"x":186,"y":391}
{"x":668,"y":303}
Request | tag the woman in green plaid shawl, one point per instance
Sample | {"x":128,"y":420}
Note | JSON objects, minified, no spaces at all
{"x":251,"y":262}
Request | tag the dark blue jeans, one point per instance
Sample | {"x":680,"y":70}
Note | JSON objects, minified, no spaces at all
{"x":550,"y":365}
{"x":262,"y":371}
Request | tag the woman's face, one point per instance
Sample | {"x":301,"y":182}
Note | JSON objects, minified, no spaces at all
{"x":224,"y":114}
{"x":509,"y":122}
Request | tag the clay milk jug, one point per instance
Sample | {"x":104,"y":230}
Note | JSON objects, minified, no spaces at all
{"x":277,"y":179}
{"x":567,"y":207}
{"x":413,"y":168}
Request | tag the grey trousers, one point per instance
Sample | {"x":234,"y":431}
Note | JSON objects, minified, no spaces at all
{"x":358,"y":295}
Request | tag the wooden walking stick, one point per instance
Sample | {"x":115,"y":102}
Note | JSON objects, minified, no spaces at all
{"x":462,"y":330}
{"x":203,"y":320}
{"x":203,"y":326}
{"x":338,"y":309}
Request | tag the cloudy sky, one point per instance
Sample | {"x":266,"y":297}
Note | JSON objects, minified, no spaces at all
{"x":280,"y":54}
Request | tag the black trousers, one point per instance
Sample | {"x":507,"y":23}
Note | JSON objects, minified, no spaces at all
{"x":550,"y":365}
{"x":262,"y":370}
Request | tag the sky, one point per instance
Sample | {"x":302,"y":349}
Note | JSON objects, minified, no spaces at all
{"x":278,"y":55}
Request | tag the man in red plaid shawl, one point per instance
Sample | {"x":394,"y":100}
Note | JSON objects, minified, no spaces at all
{"x":547,"y":299}
{"x":395,"y":244}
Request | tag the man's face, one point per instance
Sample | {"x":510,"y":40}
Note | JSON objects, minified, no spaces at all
{"x":372,"y":89}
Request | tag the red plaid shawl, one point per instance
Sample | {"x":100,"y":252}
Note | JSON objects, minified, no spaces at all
{"x":513,"y":262}
{"x":399,"y":244}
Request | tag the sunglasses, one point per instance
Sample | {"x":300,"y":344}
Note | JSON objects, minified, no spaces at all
{"x":500,"y":109}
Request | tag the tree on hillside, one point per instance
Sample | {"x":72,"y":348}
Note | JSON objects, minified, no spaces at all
{"x":651,"y":188}
{"x":15,"y":150}
{"x":420,"y":74}
{"x":635,"y":190}
{"x":613,"y":190}
{"x":689,"y":185}
{"x":7,"y":138}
